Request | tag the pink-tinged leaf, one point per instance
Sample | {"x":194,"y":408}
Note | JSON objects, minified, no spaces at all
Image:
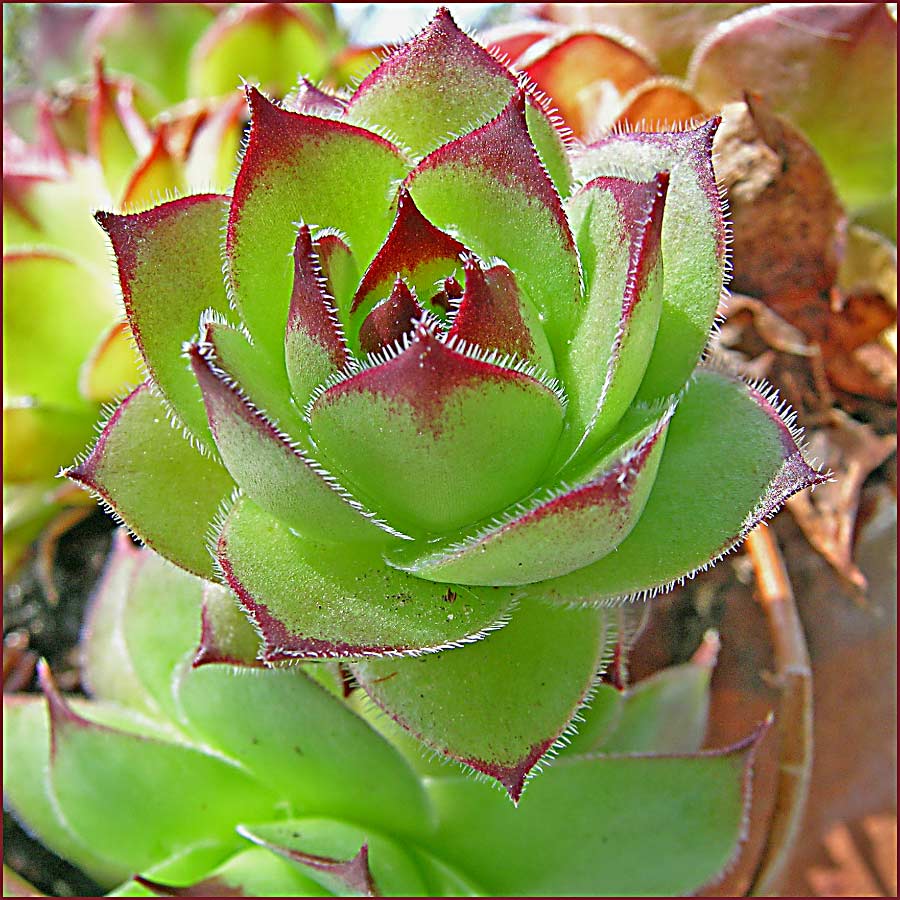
{"x":415,"y":249}
{"x":301,"y":168}
{"x":390,"y":320}
{"x":90,"y":762}
{"x":830,"y":68}
{"x":488,"y":430}
{"x":344,"y":877}
{"x":38,"y":287}
{"x":554,"y":531}
{"x":267,"y":43}
{"x":491,"y":186}
{"x":436,"y":85}
{"x":112,"y":366}
{"x":216,"y":145}
{"x":586,"y":72}
{"x":314,"y":101}
{"x":170,"y":504}
{"x":170,"y":271}
{"x":226,"y":635}
{"x":693,"y":239}
{"x":16,"y":886}
{"x":730,"y":461}
{"x":512,"y":40}
{"x":310,"y":600}
{"x":523,"y":686}
{"x":159,"y":173}
{"x":340,"y":269}
{"x":271,"y":468}
{"x":344,"y":859}
{"x":116,"y":133}
{"x":619,"y":226}
{"x":494,"y":315}
{"x":314,"y":345}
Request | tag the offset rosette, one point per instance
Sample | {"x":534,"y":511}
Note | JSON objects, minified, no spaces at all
{"x":446,"y":390}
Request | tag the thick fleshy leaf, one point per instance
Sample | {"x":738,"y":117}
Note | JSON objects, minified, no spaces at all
{"x":271,"y":468}
{"x":693,"y":239}
{"x":107,"y":670}
{"x":433,"y":87}
{"x":26,"y":753}
{"x":494,"y":315}
{"x":619,"y":226}
{"x":170,"y":271}
{"x":586,"y":70}
{"x":109,"y":140}
{"x":340,"y":269}
{"x":250,"y":873}
{"x":830,"y":68}
{"x":523,"y":685}
{"x":489,"y":431}
{"x":268,"y":43}
{"x":38,"y":438}
{"x":730,"y":461}
{"x":414,"y":249}
{"x":306,"y":97}
{"x":157,"y":175}
{"x":301,"y":168}
{"x":38,"y":287}
{"x":555,"y":531}
{"x":685,"y":814}
{"x":385,"y":326}
{"x":313,"y":600}
{"x":226,"y":635}
{"x":344,"y":859}
{"x":314,"y":345}
{"x":215,"y":147}
{"x":490,"y":186}
{"x":667,"y":712}
{"x":89,"y":763}
{"x":659,"y":104}
{"x":170,"y":505}
{"x":305,"y":744}
{"x":112,"y":367}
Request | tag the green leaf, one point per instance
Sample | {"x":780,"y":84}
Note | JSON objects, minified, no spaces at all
{"x":112,"y":367}
{"x":90,"y":763}
{"x":170,"y":272}
{"x":439,"y":84}
{"x":730,"y":461}
{"x":152,"y":43}
{"x":488,"y":430}
{"x":344,"y":859}
{"x":311,"y":600}
{"x":301,"y":168}
{"x":226,"y":635}
{"x":490,"y":188}
{"x":39,"y":287}
{"x":272,"y":469}
{"x":107,"y":668}
{"x":26,"y":751}
{"x":618,"y":226}
{"x":187,"y":866}
{"x":168,"y":504}
{"x":38,"y":439}
{"x":553,"y":531}
{"x":693,"y":239}
{"x":667,"y":712}
{"x":264,"y":43}
{"x":668,"y":826}
{"x":523,"y":685}
{"x":304,"y":744}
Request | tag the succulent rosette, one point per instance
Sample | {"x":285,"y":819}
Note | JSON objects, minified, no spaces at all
{"x":443,"y":408}
{"x":211,"y":781}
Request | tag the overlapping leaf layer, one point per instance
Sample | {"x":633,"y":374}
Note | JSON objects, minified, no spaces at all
{"x":446,"y":390}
